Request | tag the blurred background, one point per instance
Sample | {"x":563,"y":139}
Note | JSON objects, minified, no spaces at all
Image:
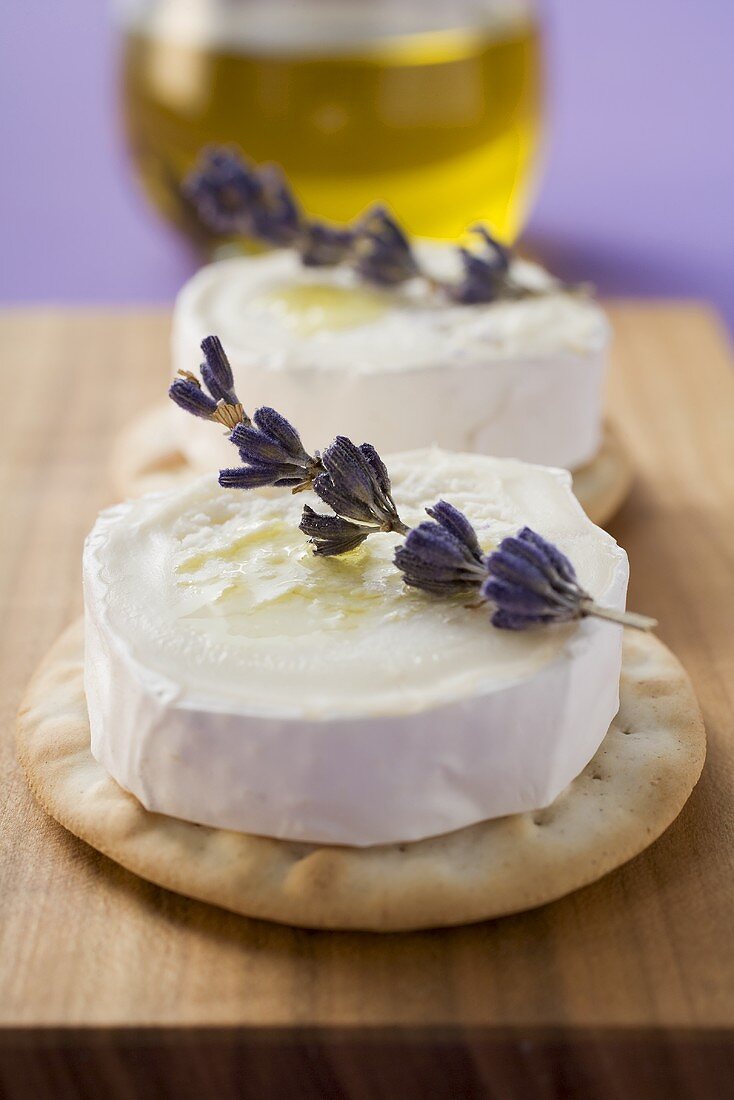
{"x":621,"y":171}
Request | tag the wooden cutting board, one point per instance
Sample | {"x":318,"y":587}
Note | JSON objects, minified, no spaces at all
{"x":630,"y":980}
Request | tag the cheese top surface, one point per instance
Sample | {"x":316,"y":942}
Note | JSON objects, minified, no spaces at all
{"x":271,"y":311}
{"x":218,"y":592}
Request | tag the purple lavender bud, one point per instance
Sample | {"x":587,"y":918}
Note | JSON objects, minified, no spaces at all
{"x":190,"y":397}
{"x":216,"y":371}
{"x":531,"y":582}
{"x":498,"y":255}
{"x":255,"y":476}
{"x":256,"y":447}
{"x":225,"y":190}
{"x":383,"y":252}
{"x":506,"y":620}
{"x":223,"y":404}
{"x":479,"y":283}
{"x":456,"y":523}
{"x":332,"y":535}
{"x":273,"y":453}
{"x":282,"y":433}
{"x":355,"y":483}
{"x":443,"y":557}
{"x":522,"y":600}
{"x":549,"y":553}
{"x":324,"y":245}
{"x":485,"y":274}
{"x":277,"y":217}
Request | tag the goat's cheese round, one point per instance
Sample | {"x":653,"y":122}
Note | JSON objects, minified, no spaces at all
{"x":236,"y":680}
{"x":401,"y":368}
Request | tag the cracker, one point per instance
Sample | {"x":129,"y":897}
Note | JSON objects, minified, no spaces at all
{"x":147,"y":457}
{"x":603,"y":484}
{"x":631,"y":791}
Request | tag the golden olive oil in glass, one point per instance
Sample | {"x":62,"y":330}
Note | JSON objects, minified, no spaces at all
{"x":441,"y":124}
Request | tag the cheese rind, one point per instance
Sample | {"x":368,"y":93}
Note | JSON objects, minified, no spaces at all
{"x":403,"y":368}
{"x":235,"y":680}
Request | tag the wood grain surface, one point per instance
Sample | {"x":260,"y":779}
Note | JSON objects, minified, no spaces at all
{"x":642,"y":957}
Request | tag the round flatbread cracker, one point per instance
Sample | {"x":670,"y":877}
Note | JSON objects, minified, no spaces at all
{"x":147,"y":457}
{"x":603,"y":484}
{"x":631,"y":791}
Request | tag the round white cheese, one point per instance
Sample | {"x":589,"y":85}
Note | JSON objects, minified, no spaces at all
{"x":235,"y":679}
{"x":400,"y":368}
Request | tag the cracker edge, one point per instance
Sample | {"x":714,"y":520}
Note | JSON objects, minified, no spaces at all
{"x":391,"y":888}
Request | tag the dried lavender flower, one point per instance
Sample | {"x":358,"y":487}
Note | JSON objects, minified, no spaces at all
{"x":233,"y":196}
{"x":216,"y":372}
{"x":498,"y":255}
{"x":273,"y":454}
{"x":356,"y":485}
{"x":223,"y":405}
{"x":382,"y":250}
{"x":276,"y":215}
{"x":532,"y":582}
{"x":486,"y":273}
{"x":187,"y":393}
{"x":442,"y":557}
{"x":332,"y":535}
{"x":224,"y":187}
{"x":256,"y":477}
{"x":324,"y":245}
{"x":456,"y":523}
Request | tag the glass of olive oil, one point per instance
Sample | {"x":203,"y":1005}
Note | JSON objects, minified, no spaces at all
{"x":431,"y":106}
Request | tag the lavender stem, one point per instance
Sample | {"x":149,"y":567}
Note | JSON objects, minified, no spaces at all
{"x":626,"y":618}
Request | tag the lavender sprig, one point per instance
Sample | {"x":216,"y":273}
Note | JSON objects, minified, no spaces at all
{"x":221,"y":403}
{"x":232,"y":195}
{"x":273,"y":454}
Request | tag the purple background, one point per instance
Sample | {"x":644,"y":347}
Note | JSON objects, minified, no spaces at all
{"x":636,"y":196}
